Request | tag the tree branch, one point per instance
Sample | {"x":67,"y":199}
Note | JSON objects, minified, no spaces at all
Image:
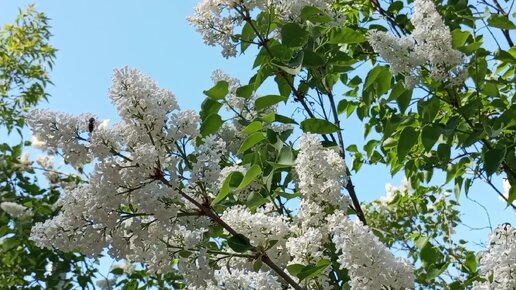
{"x":349,"y":186}
{"x":208,"y":211}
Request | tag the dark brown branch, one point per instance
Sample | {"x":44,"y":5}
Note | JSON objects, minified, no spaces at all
{"x":505,"y":32}
{"x":264,"y":42}
{"x":208,"y":211}
{"x":490,"y":183}
{"x":349,"y":186}
{"x":389,"y":18}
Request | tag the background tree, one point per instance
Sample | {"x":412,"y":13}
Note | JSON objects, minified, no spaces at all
{"x":27,"y":197}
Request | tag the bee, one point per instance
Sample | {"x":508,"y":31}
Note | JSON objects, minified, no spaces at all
{"x":91,"y":124}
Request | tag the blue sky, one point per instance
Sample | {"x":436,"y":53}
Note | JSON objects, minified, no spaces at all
{"x":94,"y":37}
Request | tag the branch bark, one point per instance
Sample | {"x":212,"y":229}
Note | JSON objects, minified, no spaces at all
{"x":209,"y":212}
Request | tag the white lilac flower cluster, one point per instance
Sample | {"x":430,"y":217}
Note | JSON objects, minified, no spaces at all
{"x":391,"y":192}
{"x":241,"y":279}
{"x":369,"y":262}
{"x":150,"y":182}
{"x":261,"y":227}
{"x":321,"y":173}
{"x":216,"y":20}
{"x":15,"y":210}
{"x":430,"y":43}
{"x":56,"y":130}
{"x":123,"y":207}
{"x":498,"y":263}
{"x":289,"y":10}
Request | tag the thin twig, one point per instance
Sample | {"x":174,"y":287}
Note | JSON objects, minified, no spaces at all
{"x":349,"y":186}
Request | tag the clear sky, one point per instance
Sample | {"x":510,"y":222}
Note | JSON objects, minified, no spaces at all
{"x":94,"y":37}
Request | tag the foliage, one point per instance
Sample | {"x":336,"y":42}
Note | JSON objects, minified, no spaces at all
{"x":465,"y":129}
{"x":208,"y":195}
{"x":421,"y":223}
{"x":25,"y":57}
{"x":25,"y":60}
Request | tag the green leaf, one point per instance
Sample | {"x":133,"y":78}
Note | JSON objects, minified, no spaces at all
{"x":429,"y":255}
{"x":10,"y":243}
{"x":457,"y":186}
{"x":250,"y":176}
{"x":429,"y":136}
{"x":245,"y":92}
{"x":219,"y":91}
{"x":389,"y":142}
{"x":286,"y":156}
{"x":369,"y":147}
{"x":312,"y":59}
{"x":231,"y":182}
{"x":292,"y":67}
{"x":311,"y":271}
{"x":493,"y":159}
{"x":295,"y":269}
{"x":253,"y":127}
{"x":395,"y":7}
{"x":293,"y":35}
{"x":248,"y":35}
{"x":383,"y":81}
{"x":239,"y":243}
{"x":339,"y":35}
{"x":421,"y":242}
{"x":490,"y":89}
{"x":211,"y":124}
{"x":283,"y":85}
{"x":209,"y":107}
{"x":407,"y":140}
{"x":284,"y":119}
{"x":268,"y":101}
{"x":401,"y":95}
{"x":255,"y":200}
{"x":319,"y":126}
{"x":372,"y":75}
{"x":342,"y":106}
{"x":380,"y":78}
{"x":443,"y":153}
{"x":269,"y":118}
{"x":251,"y":140}
{"x":354,"y":82}
{"x":397,"y":90}
{"x":471,"y":262}
{"x":281,"y":52}
{"x":459,"y":37}
{"x":182,"y":253}
{"x":428,"y":109}
{"x":315,"y":15}
{"x":500,"y":21}
{"x":83,"y":281}
{"x":435,"y":270}
{"x":117,"y":271}
{"x":257,"y":265}
{"x":504,"y":56}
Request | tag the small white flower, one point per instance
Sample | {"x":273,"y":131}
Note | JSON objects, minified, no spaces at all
{"x":430,"y":43}
{"x":103,"y":125}
{"x":36,"y":143}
